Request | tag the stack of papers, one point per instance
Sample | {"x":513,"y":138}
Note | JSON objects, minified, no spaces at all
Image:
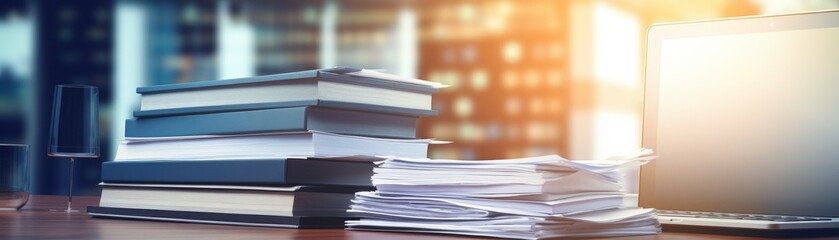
{"x":528,"y":198}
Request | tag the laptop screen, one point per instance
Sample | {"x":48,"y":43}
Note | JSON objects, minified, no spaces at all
{"x":744,"y":115}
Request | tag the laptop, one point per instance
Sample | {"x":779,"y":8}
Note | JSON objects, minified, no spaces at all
{"x":744,"y":116}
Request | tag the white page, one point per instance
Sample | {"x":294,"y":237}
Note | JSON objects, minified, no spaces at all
{"x":585,"y":181}
{"x":610,"y":216}
{"x":379,"y":211}
{"x":551,"y":196}
{"x":530,"y":160}
{"x":523,"y":197}
{"x":527,"y":208}
{"x":525,"y":228}
{"x":395,"y":78}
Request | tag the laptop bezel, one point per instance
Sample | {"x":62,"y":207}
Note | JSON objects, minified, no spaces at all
{"x":657,"y":33}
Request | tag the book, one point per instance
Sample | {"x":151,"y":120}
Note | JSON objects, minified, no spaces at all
{"x":273,"y":201}
{"x":342,"y":84}
{"x":219,"y":218}
{"x":310,"y":144}
{"x":241,"y":172}
{"x":294,"y":119}
{"x":287,"y":104}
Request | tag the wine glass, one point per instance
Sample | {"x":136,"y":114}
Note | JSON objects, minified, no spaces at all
{"x":74,"y":128}
{"x":14,"y":176}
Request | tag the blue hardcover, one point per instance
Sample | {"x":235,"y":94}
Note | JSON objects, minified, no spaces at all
{"x":256,"y":106}
{"x":292,"y":119}
{"x":242,"y":172}
{"x":328,"y":74}
{"x":302,"y":222}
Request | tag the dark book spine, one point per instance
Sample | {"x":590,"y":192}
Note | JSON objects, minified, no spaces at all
{"x":241,"y":122}
{"x":351,"y":122}
{"x":242,"y":172}
{"x":219,"y":218}
{"x":361,"y":123}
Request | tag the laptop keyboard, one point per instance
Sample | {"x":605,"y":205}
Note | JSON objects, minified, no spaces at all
{"x":774,"y":218}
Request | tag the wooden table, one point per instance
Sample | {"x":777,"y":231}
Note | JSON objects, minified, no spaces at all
{"x":36,"y":221}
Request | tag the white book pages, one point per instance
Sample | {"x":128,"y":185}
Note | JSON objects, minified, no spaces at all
{"x":202,"y":186}
{"x":270,"y":146}
{"x":344,"y":136}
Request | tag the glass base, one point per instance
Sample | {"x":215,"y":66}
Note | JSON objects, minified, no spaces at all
{"x":13,"y":199}
{"x":8,"y":209}
{"x":65,"y":210}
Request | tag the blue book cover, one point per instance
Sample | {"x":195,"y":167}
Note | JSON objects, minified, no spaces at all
{"x":292,"y":119}
{"x":327,"y":74}
{"x":302,"y":222}
{"x":242,"y":172}
{"x":302,"y":103}
{"x":334,"y":87}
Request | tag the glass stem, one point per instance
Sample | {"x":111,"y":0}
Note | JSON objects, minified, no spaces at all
{"x":70,"y":187}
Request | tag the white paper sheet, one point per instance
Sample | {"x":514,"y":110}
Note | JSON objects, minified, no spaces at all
{"x":396,"y":78}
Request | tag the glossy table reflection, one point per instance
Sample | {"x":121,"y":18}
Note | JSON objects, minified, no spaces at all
{"x":35,"y":221}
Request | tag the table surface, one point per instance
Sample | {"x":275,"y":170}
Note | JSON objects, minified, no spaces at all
{"x":37,"y":221}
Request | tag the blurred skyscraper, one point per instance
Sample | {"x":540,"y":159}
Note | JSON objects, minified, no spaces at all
{"x":507,"y":63}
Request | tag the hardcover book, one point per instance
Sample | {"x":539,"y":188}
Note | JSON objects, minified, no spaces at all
{"x":310,"y":144}
{"x":273,"y":201}
{"x":241,"y":172}
{"x":342,"y":84}
{"x":219,"y":218}
{"x":293,"y":119}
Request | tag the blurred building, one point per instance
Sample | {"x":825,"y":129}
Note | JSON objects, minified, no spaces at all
{"x":16,"y":70}
{"x":528,"y":77}
{"x":508,"y":67}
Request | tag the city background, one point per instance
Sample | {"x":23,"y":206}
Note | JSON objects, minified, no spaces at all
{"x":528,"y":77}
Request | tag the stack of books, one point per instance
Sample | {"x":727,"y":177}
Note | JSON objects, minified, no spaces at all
{"x":529,"y":198}
{"x":283,"y":150}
